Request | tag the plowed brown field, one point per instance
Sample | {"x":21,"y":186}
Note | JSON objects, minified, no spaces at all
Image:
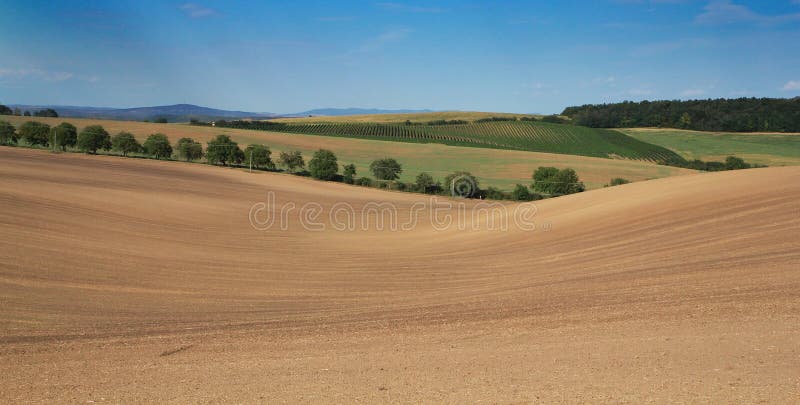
{"x":127,"y":280}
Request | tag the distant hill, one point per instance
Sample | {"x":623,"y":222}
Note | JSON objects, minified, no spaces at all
{"x":354,"y":111}
{"x":173,"y":113}
{"x":186,"y":112}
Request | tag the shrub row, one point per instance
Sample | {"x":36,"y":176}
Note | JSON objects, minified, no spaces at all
{"x":222,"y":150}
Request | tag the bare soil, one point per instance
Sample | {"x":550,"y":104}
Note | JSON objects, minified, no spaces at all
{"x":129,"y":280}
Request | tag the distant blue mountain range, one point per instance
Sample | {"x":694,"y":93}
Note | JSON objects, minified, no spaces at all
{"x":187,"y":112}
{"x":355,"y":111}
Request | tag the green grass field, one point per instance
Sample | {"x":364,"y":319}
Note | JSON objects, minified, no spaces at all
{"x":773,"y":149}
{"x":512,"y":135}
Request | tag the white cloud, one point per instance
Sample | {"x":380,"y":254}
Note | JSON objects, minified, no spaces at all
{"x":726,"y":12}
{"x":791,"y":85}
{"x":193,"y":10}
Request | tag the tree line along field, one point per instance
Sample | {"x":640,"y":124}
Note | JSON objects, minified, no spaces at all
{"x":514,"y":135}
{"x":773,"y":149}
{"x":498,"y":168}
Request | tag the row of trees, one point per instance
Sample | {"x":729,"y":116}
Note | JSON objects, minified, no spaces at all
{"x":47,"y":112}
{"x":548,"y":181}
{"x":735,"y":115}
{"x":223,"y":150}
{"x":730,"y":163}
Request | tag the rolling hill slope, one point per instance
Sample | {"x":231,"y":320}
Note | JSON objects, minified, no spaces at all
{"x":131,"y":280}
{"x":769,"y":148}
{"x":513,"y":135}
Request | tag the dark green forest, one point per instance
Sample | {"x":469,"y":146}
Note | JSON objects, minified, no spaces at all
{"x":732,"y":115}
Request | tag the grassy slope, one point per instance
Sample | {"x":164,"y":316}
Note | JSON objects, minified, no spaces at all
{"x":514,"y":135}
{"x":774,"y":149}
{"x":494,"y":167}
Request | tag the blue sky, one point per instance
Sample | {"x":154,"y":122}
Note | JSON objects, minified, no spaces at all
{"x":527,"y":57}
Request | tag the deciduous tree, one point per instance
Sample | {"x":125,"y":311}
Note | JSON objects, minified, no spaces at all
{"x":64,"y":135}
{"x":223,"y":150}
{"x":8,"y":134}
{"x":189,"y":149}
{"x":386,"y":169}
{"x":125,"y":143}
{"x":323,"y":165}
{"x":259,"y":155}
{"x":35,"y":133}
{"x":157,"y":145}
{"x":93,"y":138}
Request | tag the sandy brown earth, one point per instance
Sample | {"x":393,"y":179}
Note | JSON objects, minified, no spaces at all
{"x":128,"y":280}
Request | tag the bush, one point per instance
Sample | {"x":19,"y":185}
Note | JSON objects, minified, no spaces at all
{"x":364,"y":181}
{"x":292,"y":160}
{"x":323,"y":165}
{"x":550,"y":180}
{"x":462,"y":184}
{"x":386,"y":169}
{"x":8,"y":134}
{"x":521,"y":193}
{"x":543,"y":177}
{"x":189,"y":149}
{"x":735,"y":163}
{"x":4,"y":110}
{"x":495,"y":194}
{"x":446,"y":122}
{"x":64,"y":135}
{"x":259,"y":156}
{"x":553,"y":119}
{"x":158,"y":146}
{"x":495,"y":119}
{"x":424,"y":183}
{"x":715,"y":166}
{"x":617,"y":181}
{"x":35,"y":133}
{"x":160,"y":120}
{"x":125,"y":143}
{"x":349,"y":174}
{"x":223,"y":150}
{"x":47,"y":112}
{"x":93,"y":138}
